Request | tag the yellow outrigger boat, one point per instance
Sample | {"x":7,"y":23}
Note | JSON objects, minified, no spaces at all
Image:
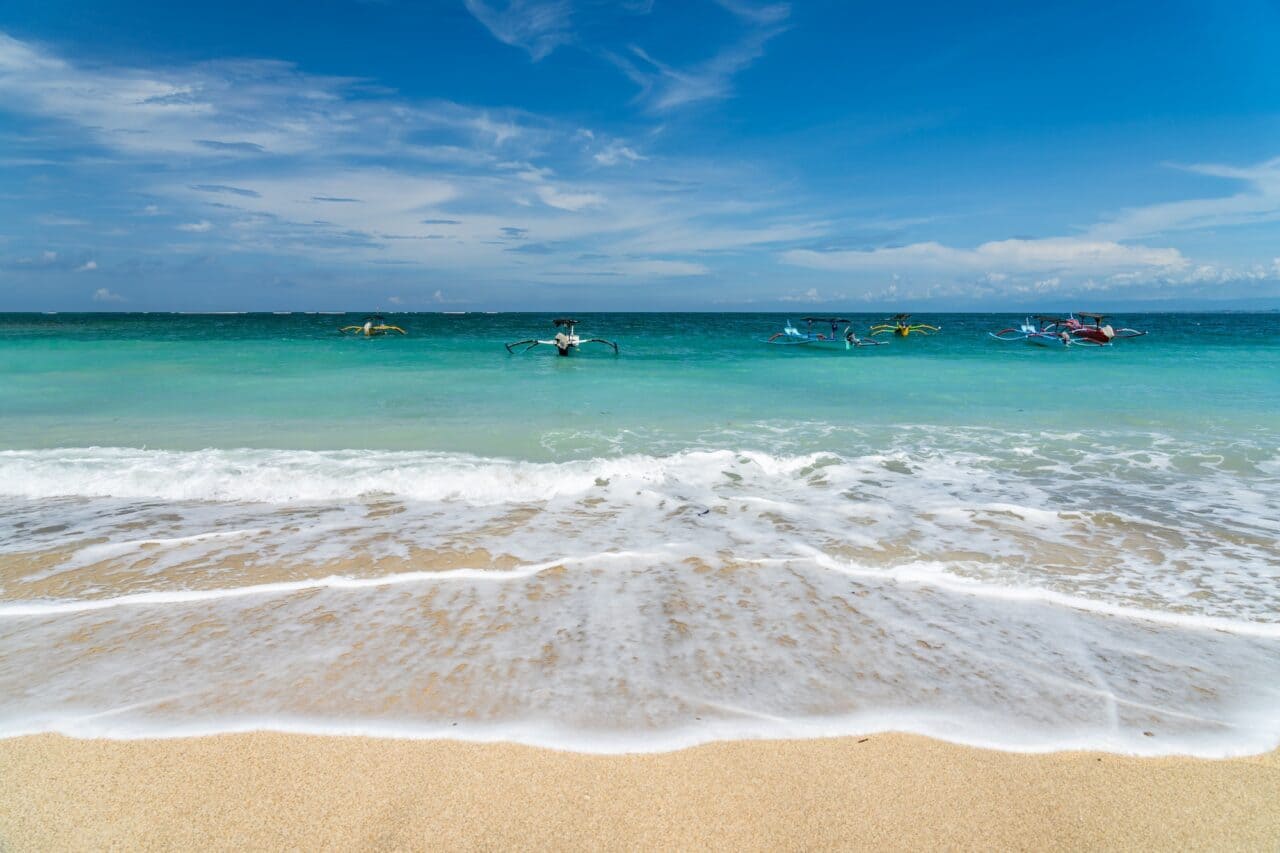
{"x":372,"y":327}
{"x":901,"y":328}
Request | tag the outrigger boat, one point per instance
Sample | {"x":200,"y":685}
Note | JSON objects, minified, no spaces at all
{"x":1090,"y":327}
{"x":1042,"y":331}
{"x":565,"y":341}
{"x":372,"y":327}
{"x":901,"y":328}
{"x":791,"y":336}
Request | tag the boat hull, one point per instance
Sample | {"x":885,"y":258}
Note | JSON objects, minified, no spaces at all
{"x":811,"y":344}
{"x":1049,"y":341}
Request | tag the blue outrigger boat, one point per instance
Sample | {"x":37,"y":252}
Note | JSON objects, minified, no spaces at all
{"x":790,"y":336}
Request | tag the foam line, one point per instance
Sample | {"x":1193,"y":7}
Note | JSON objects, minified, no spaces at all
{"x":939,"y":578}
{"x":53,"y":608}
{"x":548,"y":735}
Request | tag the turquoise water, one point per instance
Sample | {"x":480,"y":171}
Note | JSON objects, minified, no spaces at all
{"x":189,"y":382}
{"x":214,"y":523}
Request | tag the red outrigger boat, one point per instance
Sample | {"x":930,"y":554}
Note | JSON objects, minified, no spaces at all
{"x":1090,"y":327}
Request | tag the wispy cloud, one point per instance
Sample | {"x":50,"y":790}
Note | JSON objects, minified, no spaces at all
{"x":764,"y":14}
{"x":811,"y":296}
{"x":223,"y":188}
{"x":235,"y":147}
{"x":661,"y":268}
{"x":569,"y":200}
{"x":536,"y":26}
{"x":1129,"y":252}
{"x":665,"y":86}
{"x":1258,"y":202}
{"x":102,"y":294}
{"x":1105,"y":256}
{"x":615,"y":153}
{"x":274,"y":107}
{"x":1055,"y":254}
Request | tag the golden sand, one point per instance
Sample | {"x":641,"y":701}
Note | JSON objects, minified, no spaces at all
{"x":272,"y":791}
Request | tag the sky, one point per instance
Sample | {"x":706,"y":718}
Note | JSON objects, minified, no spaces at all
{"x":638,"y":155}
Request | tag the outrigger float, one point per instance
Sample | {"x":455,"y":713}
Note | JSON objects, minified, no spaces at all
{"x":565,"y":341}
{"x":793,"y":337}
{"x":1090,"y":327}
{"x":901,"y":328}
{"x":372,"y":327}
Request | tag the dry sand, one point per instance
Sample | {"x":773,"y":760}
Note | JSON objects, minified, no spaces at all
{"x":264,"y":790}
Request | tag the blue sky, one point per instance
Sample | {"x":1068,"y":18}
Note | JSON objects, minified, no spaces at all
{"x":638,"y":154}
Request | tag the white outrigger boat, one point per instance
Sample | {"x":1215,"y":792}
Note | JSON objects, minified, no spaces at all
{"x":790,"y":336}
{"x":565,"y":341}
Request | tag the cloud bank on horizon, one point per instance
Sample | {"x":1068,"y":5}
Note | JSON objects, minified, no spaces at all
{"x":636,"y":155}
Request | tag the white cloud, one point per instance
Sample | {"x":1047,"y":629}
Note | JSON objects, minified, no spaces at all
{"x":395,"y":300}
{"x":810,"y":295}
{"x":766,"y":13}
{"x":428,"y":205}
{"x":389,"y":200}
{"x":536,"y":26}
{"x":1211,"y":274}
{"x":679,"y":236}
{"x":104,"y":295}
{"x":659,"y":268}
{"x":1102,"y":258}
{"x":1044,"y":285}
{"x":87,"y":266}
{"x":1258,"y":202}
{"x":625,"y":270}
{"x":1045,"y":255}
{"x":666,"y":87}
{"x":570,"y":201}
{"x":273,"y":107}
{"x":616,"y":153}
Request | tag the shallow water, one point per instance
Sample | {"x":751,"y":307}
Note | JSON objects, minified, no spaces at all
{"x":216,"y":523}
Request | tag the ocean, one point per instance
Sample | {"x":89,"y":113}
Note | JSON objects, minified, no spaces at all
{"x":214,"y":523}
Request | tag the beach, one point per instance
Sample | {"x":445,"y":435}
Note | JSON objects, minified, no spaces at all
{"x":890,"y":791}
{"x":501,"y":600}
{"x":580,"y":425}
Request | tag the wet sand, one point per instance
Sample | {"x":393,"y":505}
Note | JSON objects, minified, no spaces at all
{"x":272,"y":791}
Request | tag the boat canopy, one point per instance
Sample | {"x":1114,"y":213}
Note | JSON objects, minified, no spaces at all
{"x":564,"y":321}
{"x":1046,"y":318}
{"x":900,"y":317}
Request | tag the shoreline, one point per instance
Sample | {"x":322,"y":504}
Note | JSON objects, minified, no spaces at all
{"x":269,"y":790}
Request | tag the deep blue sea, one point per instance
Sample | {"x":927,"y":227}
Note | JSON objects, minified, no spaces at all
{"x":221,"y":522}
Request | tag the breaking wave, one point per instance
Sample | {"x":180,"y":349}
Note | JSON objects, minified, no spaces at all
{"x":1018,"y":590}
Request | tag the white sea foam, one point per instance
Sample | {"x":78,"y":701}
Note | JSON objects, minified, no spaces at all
{"x":640,"y":654}
{"x":1030,"y":592}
